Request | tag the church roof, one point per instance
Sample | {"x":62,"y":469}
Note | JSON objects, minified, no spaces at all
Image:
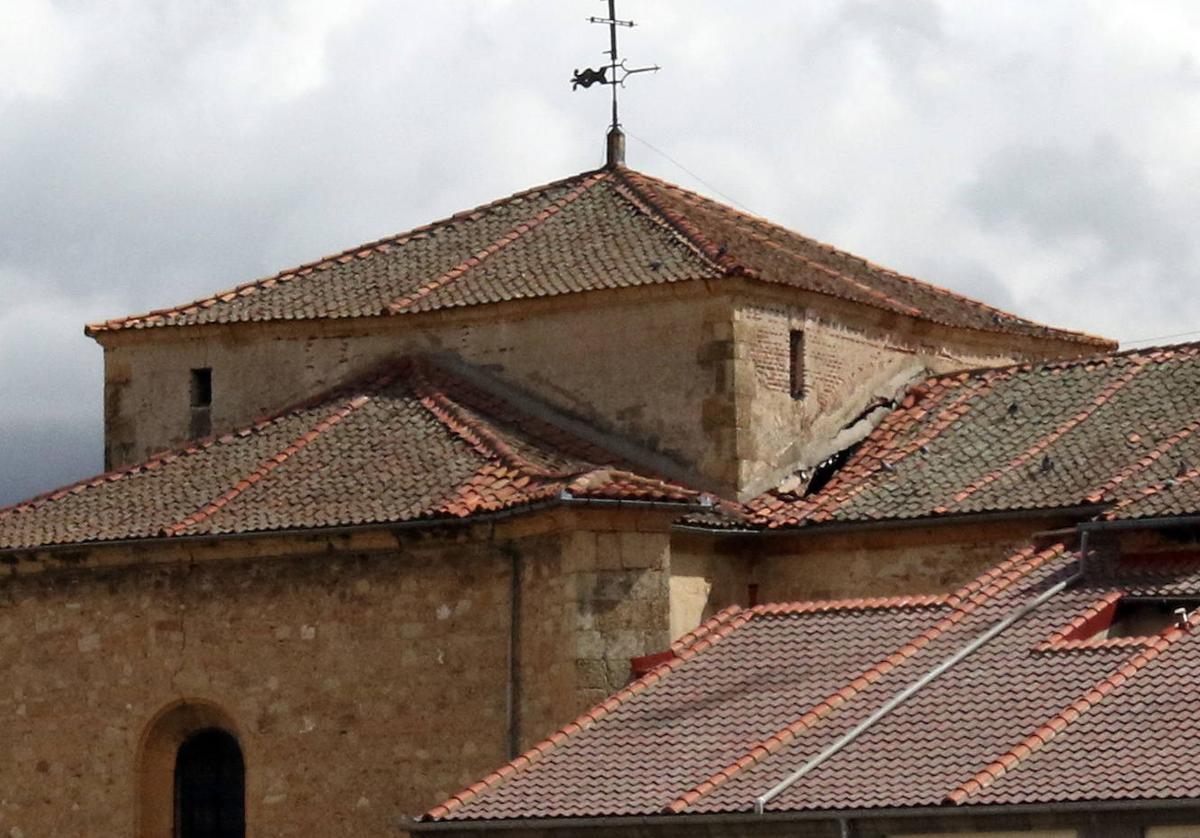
{"x":1112,"y":431}
{"x":605,"y":229}
{"x":1044,"y":713}
{"x":411,"y":442}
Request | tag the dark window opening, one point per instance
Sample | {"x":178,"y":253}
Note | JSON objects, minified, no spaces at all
{"x":202,"y":396}
{"x":210,"y":787}
{"x":202,"y":387}
{"x":796,"y":363}
{"x":1149,"y":617}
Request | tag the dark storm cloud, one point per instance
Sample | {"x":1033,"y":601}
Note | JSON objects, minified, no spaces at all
{"x":154,"y":152}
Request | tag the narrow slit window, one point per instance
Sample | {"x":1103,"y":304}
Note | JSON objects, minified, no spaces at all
{"x":202,"y":397}
{"x":796,"y":363}
{"x":202,"y":387}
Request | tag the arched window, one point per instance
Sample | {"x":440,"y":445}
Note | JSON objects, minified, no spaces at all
{"x":192,"y":774}
{"x":210,"y":786}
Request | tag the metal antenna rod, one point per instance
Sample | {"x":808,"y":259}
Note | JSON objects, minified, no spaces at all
{"x":612,"y":30}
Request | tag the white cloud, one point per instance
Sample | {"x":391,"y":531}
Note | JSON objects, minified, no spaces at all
{"x":1039,"y":155}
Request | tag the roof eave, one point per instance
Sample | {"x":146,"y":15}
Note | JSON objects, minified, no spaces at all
{"x":1180,"y":805}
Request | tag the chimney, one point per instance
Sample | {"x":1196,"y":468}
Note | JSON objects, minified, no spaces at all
{"x":616,"y":148}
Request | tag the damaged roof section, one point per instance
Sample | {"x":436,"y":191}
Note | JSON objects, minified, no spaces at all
{"x":1111,"y":431}
{"x":412,"y":441}
{"x":756,"y":694}
{"x":600,"y":230}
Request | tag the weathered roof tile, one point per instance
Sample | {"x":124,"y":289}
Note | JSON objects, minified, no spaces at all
{"x":598,"y":230}
{"x":411,"y":442}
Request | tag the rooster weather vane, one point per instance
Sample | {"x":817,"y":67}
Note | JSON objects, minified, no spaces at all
{"x":616,"y":71}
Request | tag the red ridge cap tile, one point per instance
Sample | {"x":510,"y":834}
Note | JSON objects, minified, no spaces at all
{"x":730,"y":264}
{"x":497,"y":246}
{"x":863,"y":604}
{"x":683,"y":227}
{"x":1148,"y":491}
{"x":705,"y":628}
{"x":1049,"y":439}
{"x":1055,"y":725}
{"x":873,"y":458}
{"x":590,"y":717}
{"x":1023,"y":563}
{"x":362,"y":251}
{"x":273,"y":462}
{"x":1145,"y":462}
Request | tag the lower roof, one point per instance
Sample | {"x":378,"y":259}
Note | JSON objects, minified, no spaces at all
{"x":410,"y":442}
{"x":1034,"y":716}
{"x":1117,"y":432}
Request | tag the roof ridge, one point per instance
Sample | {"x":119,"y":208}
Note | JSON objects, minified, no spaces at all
{"x":1153,"y":488}
{"x":462,"y":268}
{"x":868,"y":461}
{"x":1145,"y":461}
{"x":705,"y":628}
{"x":880,"y":603}
{"x":271,"y":463}
{"x":447,"y":411}
{"x":691,"y":235}
{"x":326,"y":262}
{"x":1017,"y":566}
{"x":1057,"y":723}
{"x":168,"y":455}
{"x":1151,"y":353}
{"x":718,"y":632}
{"x":696,"y":199}
{"x":1098,"y":401}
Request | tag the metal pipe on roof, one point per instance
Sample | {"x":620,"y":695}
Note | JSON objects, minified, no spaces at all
{"x":760,"y":802}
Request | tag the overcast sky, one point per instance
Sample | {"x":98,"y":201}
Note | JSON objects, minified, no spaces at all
{"x":1039,"y":154}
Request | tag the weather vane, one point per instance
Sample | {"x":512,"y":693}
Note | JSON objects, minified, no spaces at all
{"x":614,"y":75}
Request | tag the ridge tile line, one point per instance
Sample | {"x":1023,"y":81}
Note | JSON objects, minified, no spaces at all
{"x":699,"y":632}
{"x":1007,"y":573}
{"x":824,"y":606}
{"x":272,"y":463}
{"x":483,"y":440}
{"x":1150,"y":491}
{"x":689,"y":233}
{"x":1036,"y":740}
{"x":165,"y":457}
{"x":723,"y":626}
{"x":864,"y":468}
{"x":960,"y":406}
{"x":1097,"y":401}
{"x":680,"y":221}
{"x":739,"y":217}
{"x":306,"y":269}
{"x":471,"y":262}
{"x":1145,"y":461}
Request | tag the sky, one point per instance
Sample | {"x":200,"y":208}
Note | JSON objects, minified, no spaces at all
{"x":1038,"y":154}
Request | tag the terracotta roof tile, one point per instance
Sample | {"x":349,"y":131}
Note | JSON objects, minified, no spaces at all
{"x":1113,"y":430}
{"x":761,"y":691}
{"x":413,"y":442}
{"x":594,"y":231}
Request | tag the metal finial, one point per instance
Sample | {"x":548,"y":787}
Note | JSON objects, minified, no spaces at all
{"x":613,"y":75}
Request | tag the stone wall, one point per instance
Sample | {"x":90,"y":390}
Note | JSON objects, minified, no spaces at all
{"x":701,"y":377}
{"x":646,"y":365}
{"x":365,"y":677}
{"x":711,"y":571}
{"x":848,"y":366}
